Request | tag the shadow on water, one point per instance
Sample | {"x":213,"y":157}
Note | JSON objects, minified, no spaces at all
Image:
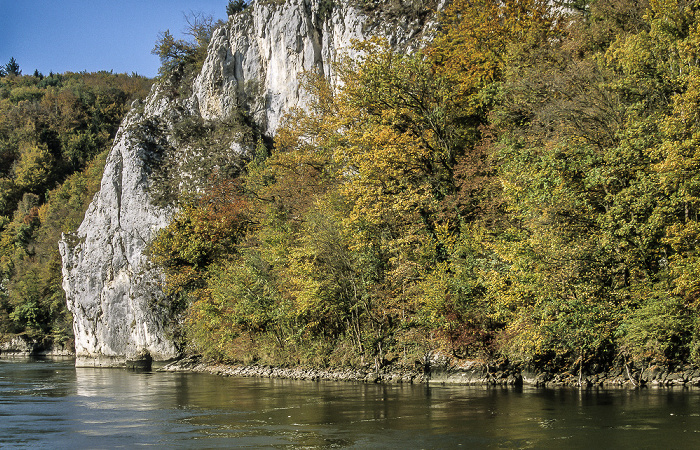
{"x":51,"y":404}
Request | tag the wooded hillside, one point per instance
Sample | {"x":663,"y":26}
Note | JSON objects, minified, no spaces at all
{"x":54,"y":134}
{"x":525,"y":188}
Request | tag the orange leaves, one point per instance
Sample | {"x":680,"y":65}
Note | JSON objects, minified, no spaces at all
{"x":202,"y":233}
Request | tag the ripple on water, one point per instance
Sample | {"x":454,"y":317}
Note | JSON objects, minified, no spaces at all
{"x":54,"y":406}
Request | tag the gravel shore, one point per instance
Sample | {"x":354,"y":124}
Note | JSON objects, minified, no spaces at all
{"x":470,"y":373}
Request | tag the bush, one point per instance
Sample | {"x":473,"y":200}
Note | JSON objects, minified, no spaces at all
{"x":235,"y":6}
{"x":181,"y":59}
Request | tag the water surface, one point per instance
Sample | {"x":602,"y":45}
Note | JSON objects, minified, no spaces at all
{"x":51,"y":404}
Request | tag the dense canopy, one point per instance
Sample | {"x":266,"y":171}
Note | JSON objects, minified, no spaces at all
{"x":524,"y":188}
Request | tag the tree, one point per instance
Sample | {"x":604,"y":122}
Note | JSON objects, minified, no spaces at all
{"x":235,"y":6}
{"x":182,"y":58}
{"x":12,"y":68}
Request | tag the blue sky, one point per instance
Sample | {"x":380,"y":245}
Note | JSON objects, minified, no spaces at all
{"x":92,"y":35}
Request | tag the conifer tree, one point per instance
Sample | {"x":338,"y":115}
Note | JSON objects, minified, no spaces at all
{"x":12,"y":68}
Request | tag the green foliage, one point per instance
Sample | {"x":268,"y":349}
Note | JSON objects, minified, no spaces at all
{"x":659,"y":330}
{"x":235,"y":6}
{"x":54,"y":132}
{"x":525,"y":188}
{"x":581,"y":149}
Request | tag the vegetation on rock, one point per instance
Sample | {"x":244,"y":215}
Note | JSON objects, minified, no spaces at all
{"x":182,"y":59}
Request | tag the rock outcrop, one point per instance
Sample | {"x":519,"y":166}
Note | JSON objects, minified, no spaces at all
{"x":24,"y":346}
{"x":254,"y":64}
{"x":110,"y":286}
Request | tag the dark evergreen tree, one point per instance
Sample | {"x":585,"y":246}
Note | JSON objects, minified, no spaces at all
{"x":235,"y":6}
{"x":12,"y":68}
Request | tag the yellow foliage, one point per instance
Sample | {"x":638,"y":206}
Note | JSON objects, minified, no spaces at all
{"x":34,"y":166}
{"x":474,"y":49}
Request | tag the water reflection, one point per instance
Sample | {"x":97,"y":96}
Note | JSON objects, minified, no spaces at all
{"x":53,"y":405}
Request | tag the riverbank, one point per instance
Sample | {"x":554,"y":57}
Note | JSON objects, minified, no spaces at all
{"x":23,"y":346}
{"x":470,"y":373}
{"x":200,"y":365}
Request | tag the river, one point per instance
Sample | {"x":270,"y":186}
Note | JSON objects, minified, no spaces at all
{"x":51,"y":404}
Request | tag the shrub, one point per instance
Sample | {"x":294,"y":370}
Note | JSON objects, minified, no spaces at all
{"x":235,"y":6}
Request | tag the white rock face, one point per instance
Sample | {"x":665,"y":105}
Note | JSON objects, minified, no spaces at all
{"x":111,"y":289}
{"x":257,"y":59}
{"x":254,"y":63}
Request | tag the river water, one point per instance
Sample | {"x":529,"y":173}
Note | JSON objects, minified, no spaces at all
{"x":51,"y":404}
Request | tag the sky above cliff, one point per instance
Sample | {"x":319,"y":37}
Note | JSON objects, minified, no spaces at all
{"x":92,"y":35}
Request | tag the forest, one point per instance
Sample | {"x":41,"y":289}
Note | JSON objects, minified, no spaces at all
{"x":55,"y":132}
{"x":523,"y":189}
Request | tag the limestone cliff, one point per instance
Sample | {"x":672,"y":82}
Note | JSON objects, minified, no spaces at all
{"x":253,"y":65}
{"x":110,"y":287}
